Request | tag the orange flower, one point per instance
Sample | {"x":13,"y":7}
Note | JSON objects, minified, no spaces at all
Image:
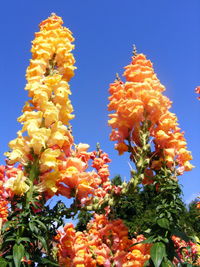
{"x":3,"y":197}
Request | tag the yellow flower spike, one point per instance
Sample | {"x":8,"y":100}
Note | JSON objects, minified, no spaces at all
{"x":43,"y":135}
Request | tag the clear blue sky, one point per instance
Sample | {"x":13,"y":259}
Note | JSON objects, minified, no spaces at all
{"x":167,"y":31}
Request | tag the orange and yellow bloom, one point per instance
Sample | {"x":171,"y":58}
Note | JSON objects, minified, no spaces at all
{"x":139,"y":100}
{"x":44,"y":135}
{"x":105,"y":243}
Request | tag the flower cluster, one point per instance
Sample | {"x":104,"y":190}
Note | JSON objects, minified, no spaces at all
{"x":106,"y":190}
{"x":140,"y":100}
{"x":3,"y":197}
{"x":45,"y":144}
{"x":72,"y":178}
{"x":15,"y":181}
{"x":186,"y":251}
{"x":105,"y":243}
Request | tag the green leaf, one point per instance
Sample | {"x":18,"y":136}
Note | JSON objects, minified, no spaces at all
{"x":26,"y":239}
{"x":18,"y":253}
{"x":41,"y":224}
{"x":43,"y":241}
{"x":146,"y":264}
{"x":148,"y":231}
{"x":10,"y":239}
{"x":46,"y":261}
{"x":164,"y":223}
{"x":146,"y":241}
{"x":3,"y":262}
{"x":157,"y":253}
{"x":9,"y":257}
{"x":166,"y":263}
{"x":33,"y":227}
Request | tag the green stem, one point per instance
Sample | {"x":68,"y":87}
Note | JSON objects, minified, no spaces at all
{"x":34,"y":172}
{"x":140,"y":156}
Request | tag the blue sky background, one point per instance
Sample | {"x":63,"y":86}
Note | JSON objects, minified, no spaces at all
{"x":168,"y":32}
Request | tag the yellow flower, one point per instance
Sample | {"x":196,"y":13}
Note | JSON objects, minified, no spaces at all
{"x":17,"y":184}
{"x":39,"y":139}
{"x":48,"y":183}
{"x":59,"y":135}
{"x":51,"y":113}
{"x":19,"y":152}
{"x":48,"y":159}
{"x":100,"y":260}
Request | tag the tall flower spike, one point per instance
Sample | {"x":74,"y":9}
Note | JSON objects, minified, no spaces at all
{"x":44,"y":137}
{"x":138,"y":102}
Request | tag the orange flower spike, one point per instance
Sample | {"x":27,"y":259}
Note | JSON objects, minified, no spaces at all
{"x":140,"y":99}
{"x":141,"y":92}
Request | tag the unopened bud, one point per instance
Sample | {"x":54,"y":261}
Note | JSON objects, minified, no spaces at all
{"x":95,"y":206}
{"x":146,"y":161}
{"x":146,"y":147}
{"x":133,"y":172}
{"x":95,"y":200}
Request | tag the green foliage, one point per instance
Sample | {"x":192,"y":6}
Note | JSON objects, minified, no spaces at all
{"x":29,"y":233}
{"x":193,"y":216}
{"x":158,"y":212}
{"x":83,"y":218}
{"x":117,"y":180}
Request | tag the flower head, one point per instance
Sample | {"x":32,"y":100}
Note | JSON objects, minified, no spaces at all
{"x":140,"y":101}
